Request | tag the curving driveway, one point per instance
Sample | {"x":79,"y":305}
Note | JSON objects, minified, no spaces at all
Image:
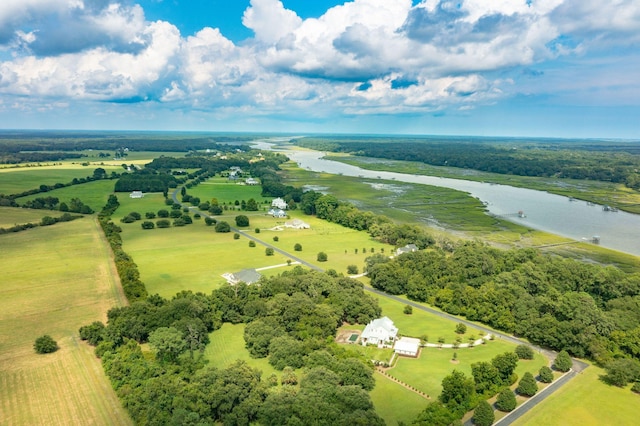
{"x":511,"y":417}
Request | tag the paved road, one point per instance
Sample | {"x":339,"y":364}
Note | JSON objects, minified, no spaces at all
{"x":174,"y":196}
{"x":578,"y":365}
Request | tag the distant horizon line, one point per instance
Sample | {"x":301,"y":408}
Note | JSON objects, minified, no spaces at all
{"x":4,"y":131}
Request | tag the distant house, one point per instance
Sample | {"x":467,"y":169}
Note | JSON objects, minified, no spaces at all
{"x":277,"y":213}
{"x":407,"y":346}
{"x":251,"y":181}
{"x":296,"y":224}
{"x":248,"y":276}
{"x":409,"y":248}
{"x":279,"y":203}
{"x":136,"y":194}
{"x":380,"y":332}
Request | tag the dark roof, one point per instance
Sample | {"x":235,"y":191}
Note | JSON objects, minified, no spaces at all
{"x":248,"y":276}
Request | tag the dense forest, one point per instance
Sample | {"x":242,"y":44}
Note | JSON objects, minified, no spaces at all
{"x":618,"y":163}
{"x":290,"y":319}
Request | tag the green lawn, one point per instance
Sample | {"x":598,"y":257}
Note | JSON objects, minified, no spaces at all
{"x":394,"y":403}
{"x":94,"y":194}
{"x":585,"y":401}
{"x":228,"y":192}
{"x":227,"y":346}
{"x":10,"y":216}
{"x":55,"y":279}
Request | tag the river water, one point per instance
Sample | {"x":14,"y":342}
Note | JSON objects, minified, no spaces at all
{"x":542,"y":211}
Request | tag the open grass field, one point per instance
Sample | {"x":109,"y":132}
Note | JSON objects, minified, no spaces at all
{"x":94,"y":194}
{"x":227,"y":346}
{"x":585,"y":401}
{"x":16,"y":180}
{"x":394,"y":403}
{"x":194,"y":257}
{"x":10,"y":216}
{"x":55,"y":279}
{"x":227,"y":191}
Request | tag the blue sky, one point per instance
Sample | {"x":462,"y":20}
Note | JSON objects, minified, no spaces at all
{"x":555,"y":68}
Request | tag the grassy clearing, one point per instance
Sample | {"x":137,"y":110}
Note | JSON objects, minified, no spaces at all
{"x":227,"y":346}
{"x":585,"y":401}
{"x":394,"y":403}
{"x":55,"y":279}
{"x":227,"y":191}
{"x":10,"y":216}
{"x":94,"y":194}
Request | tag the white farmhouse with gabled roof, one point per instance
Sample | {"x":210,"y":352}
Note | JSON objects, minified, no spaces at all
{"x":380,"y":332}
{"x":279,"y":203}
{"x":408,"y":346}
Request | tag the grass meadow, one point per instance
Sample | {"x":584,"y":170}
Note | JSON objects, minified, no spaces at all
{"x":10,"y":216}
{"x":585,"y":401}
{"x":94,"y":194}
{"x":55,"y":279}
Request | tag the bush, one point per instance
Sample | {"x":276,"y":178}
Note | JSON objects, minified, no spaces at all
{"x":322,"y":257}
{"x":506,"y":400}
{"x":174,"y":214}
{"x":163,"y":213}
{"x":636,"y":387}
{"x":546,"y":374}
{"x":352,"y":269}
{"x":128,"y":219}
{"x":252,"y":243}
{"x":524,"y":352}
{"x":563,"y":362}
{"x":150,"y":215}
{"x":236,"y":236}
{"x":297,"y":247}
{"x":187,"y":219}
{"x":47,"y":220}
{"x":45,"y":345}
{"x":408,"y":309}
{"x":135,"y":215}
{"x":223,"y":226}
{"x":210,"y":221}
{"x":268,"y":251}
{"x":179,"y":222}
{"x":163,"y":223}
{"x":257,"y":230}
{"x":483,"y":414}
{"x":147,"y":225}
{"x":276,"y":239}
{"x":527,"y":385}
{"x":92,"y":333}
{"x":461,"y":328}
{"x":242,"y":220}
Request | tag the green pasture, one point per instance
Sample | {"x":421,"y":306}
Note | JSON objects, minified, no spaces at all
{"x":55,"y":279}
{"x":227,"y":346}
{"x":10,"y":216}
{"x":395,"y":403}
{"x":227,"y":191}
{"x":16,"y":180}
{"x":94,"y":194}
{"x":421,"y":323}
{"x":585,"y":401}
{"x":587,"y":190}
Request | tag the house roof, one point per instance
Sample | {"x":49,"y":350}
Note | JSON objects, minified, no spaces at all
{"x":407,"y":249}
{"x":378,"y":326}
{"x":407,"y":344}
{"x":248,"y":276}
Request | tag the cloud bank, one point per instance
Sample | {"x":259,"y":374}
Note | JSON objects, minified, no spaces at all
{"x":361,"y":57}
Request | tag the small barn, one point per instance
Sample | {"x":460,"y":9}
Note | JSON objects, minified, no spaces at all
{"x":136,"y":194}
{"x":279,"y":203}
{"x":407,"y":346}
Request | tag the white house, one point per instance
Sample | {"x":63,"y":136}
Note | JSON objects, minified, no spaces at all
{"x":279,"y":203}
{"x":251,"y":181}
{"x":296,"y":224}
{"x":136,"y":194}
{"x":277,"y":213}
{"x":408,"y":346}
{"x":379,"y":332}
{"x":248,"y":276}
{"x":409,"y":248}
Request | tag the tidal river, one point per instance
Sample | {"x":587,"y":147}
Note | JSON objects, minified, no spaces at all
{"x":540,"y":210}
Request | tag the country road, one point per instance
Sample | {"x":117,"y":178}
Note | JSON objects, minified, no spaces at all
{"x":511,"y":417}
